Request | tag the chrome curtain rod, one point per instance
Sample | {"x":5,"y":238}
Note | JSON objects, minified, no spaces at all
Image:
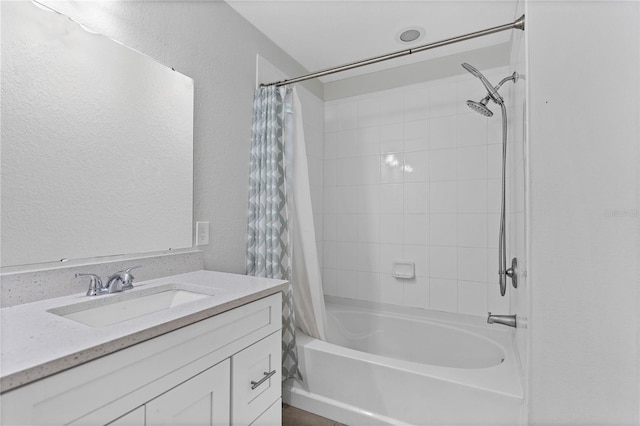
{"x":517,"y":24}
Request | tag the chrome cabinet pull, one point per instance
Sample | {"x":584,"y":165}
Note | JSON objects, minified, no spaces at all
{"x":261,"y":381}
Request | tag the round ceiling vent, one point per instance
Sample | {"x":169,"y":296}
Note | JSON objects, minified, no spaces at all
{"x":409,"y":35}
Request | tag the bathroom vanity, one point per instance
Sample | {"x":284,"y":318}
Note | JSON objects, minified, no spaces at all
{"x":211,"y":356}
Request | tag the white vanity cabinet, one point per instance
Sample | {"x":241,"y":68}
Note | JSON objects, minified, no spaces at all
{"x":217,"y":371}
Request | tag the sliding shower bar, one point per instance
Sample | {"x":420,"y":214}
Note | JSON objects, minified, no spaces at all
{"x":517,"y":24}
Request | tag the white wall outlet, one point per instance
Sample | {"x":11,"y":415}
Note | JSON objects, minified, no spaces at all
{"x":202,"y":233}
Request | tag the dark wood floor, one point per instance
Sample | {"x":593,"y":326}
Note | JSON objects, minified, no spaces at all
{"x":292,"y":416}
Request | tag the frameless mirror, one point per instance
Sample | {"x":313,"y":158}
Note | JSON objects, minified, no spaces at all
{"x":97,"y":144}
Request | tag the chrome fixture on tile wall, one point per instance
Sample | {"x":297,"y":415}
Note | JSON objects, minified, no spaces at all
{"x":481,"y":108}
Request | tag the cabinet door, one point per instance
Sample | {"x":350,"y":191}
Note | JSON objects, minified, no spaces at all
{"x":134,"y":418}
{"x":201,"y":400}
{"x":256,"y":379}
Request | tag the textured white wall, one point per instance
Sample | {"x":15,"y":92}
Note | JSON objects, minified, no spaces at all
{"x":211,"y":43}
{"x":584,"y":60}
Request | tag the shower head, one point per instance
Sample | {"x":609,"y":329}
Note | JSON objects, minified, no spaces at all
{"x":493,"y":93}
{"x":480,"y":107}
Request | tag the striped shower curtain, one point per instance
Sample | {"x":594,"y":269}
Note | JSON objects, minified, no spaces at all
{"x":268,"y":241}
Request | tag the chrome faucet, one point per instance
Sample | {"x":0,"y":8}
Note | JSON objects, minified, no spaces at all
{"x":95,"y":284}
{"x":508,"y":320}
{"x":120,"y":281}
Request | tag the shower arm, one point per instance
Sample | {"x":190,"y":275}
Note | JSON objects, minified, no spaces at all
{"x":518,"y":24}
{"x":513,"y":77}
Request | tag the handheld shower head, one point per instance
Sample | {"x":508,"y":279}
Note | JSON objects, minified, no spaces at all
{"x":493,"y":93}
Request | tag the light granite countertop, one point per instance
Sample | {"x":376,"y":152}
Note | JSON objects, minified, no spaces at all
{"x":36,"y":343}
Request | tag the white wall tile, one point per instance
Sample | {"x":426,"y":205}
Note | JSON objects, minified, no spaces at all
{"x":444,"y":165}
{"x":348,"y":143}
{"x":368,"y":228}
{"x":494,"y":129}
{"x":443,"y":262}
{"x":472,"y":264}
{"x":416,"y":135}
{"x":443,"y":197}
{"x":443,"y":295}
{"x":331,"y":118}
{"x":369,"y":141}
{"x":368,"y":257}
{"x":472,"y":129}
{"x":496,"y":303}
{"x":416,"y":197}
{"x":329,"y":281}
{"x":329,"y":254}
{"x":392,"y":132}
{"x":368,"y":170}
{"x":391,"y":228}
{"x":443,"y":133}
{"x":346,"y":227}
{"x":405,"y":177}
{"x":494,"y":194}
{"x":494,"y":161}
{"x":391,"y":109}
{"x":347,"y":284}
{"x":389,"y":253}
{"x":329,"y":201}
{"x":391,"y":290}
{"x":392,"y":146}
{"x":472,"y":298}
{"x":416,"y":292}
{"x":346,"y":255}
{"x":416,"y":166}
{"x":472,"y":162}
{"x":492,"y":264}
{"x":369,"y":286}
{"x":391,"y":198}
{"x":330,"y":227}
{"x":443,"y":100}
{"x":416,"y":229}
{"x":443,"y":229}
{"x":493,"y":229}
{"x":346,"y":171}
{"x":416,"y":105}
{"x":348,"y":116}
{"x":391,"y":168}
{"x":472,"y":196}
{"x":330,"y":145}
{"x":369,"y":112}
{"x":369,"y":199}
{"x":346,"y":199}
{"x":330,"y":172}
{"x":418,"y":254}
{"x":472,"y":230}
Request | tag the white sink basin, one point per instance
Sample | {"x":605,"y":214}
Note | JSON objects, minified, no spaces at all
{"x":126,"y":306}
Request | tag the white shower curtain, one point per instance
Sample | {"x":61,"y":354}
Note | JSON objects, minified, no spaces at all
{"x":306,"y":277}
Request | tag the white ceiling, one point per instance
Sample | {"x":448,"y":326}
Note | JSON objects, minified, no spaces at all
{"x":322,"y":34}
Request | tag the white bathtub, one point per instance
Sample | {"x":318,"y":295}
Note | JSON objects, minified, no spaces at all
{"x":393,"y":366}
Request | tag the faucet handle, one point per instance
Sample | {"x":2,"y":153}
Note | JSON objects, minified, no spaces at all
{"x":127,"y":277}
{"x":95,"y":284}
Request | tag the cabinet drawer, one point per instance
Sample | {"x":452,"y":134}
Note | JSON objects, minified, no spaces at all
{"x":256,"y":377}
{"x":271,"y":417}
